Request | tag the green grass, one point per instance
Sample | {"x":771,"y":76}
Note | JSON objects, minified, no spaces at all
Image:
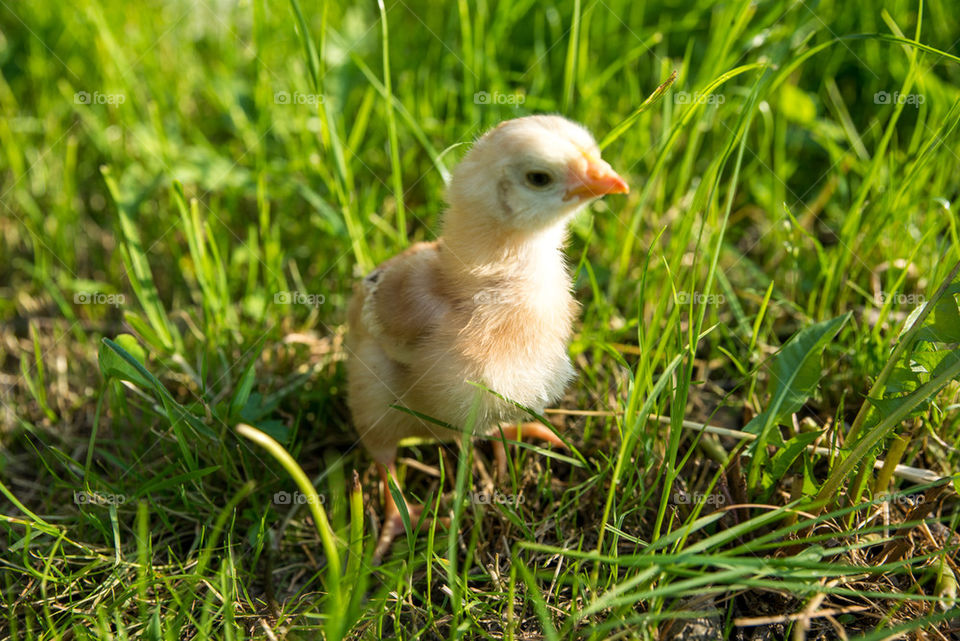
{"x":174,"y":175}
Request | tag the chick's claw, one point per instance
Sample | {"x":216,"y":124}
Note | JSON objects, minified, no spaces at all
{"x":392,"y":519}
{"x":523,"y":431}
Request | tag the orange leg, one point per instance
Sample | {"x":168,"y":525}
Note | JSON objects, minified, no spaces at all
{"x":392,"y":521}
{"x":529,"y":430}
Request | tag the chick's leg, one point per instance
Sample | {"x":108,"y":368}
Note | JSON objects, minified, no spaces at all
{"x":392,"y":521}
{"x":515,"y":432}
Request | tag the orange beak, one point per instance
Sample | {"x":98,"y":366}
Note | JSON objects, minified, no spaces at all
{"x":595,"y":180}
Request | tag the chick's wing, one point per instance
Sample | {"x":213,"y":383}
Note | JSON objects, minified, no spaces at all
{"x":401,"y":301}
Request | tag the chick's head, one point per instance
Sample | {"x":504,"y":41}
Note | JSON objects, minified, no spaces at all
{"x":529,"y":172}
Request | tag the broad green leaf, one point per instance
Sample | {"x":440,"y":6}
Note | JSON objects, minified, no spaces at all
{"x":275,"y":429}
{"x":889,"y":422}
{"x":795,"y":372}
{"x":904,"y":379}
{"x":889,"y":404}
{"x":258,"y":406}
{"x":943,"y":324}
{"x":115,"y":361}
{"x":782,"y":460}
{"x":936,"y":362}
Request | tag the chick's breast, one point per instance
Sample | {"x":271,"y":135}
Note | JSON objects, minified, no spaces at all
{"x":419,"y":340}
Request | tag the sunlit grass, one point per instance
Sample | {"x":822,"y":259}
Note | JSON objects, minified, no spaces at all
{"x":189,"y":190}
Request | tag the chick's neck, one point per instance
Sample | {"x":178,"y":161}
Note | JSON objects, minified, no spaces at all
{"x":479,"y":254}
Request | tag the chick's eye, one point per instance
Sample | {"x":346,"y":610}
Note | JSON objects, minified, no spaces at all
{"x":539,"y":179}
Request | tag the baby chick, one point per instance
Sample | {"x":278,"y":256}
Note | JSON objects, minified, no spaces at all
{"x":488,"y":302}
